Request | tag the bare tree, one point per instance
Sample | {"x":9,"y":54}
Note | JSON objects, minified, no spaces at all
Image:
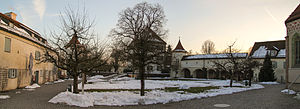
{"x":138,"y":29}
{"x":117,"y":55}
{"x":208,"y":47}
{"x":75,"y":48}
{"x":232,"y":64}
{"x":247,"y":66}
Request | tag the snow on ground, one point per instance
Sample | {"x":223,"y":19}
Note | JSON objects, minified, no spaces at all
{"x":54,"y":82}
{"x":288,"y":91}
{"x":268,"y":83}
{"x":82,"y":100}
{"x":151,"y":97}
{"x":59,"y":81}
{"x":33,"y":86}
{"x":4,"y":96}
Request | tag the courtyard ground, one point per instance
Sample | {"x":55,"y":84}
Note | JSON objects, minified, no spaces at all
{"x":266,"y":98}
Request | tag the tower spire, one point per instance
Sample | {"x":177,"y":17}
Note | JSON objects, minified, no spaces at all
{"x":179,"y":47}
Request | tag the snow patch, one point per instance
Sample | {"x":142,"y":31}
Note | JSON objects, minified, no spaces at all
{"x":268,"y":83}
{"x":81,"y":100}
{"x":297,"y":97}
{"x":260,"y":52}
{"x":59,"y":81}
{"x":184,"y":86}
{"x":33,"y":86}
{"x":4,"y":96}
{"x":134,"y":98}
{"x":288,"y":91}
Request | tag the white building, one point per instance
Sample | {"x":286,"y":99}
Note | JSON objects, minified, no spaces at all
{"x":202,"y":65}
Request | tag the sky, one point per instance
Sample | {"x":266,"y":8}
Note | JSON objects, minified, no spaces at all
{"x":194,"y":21}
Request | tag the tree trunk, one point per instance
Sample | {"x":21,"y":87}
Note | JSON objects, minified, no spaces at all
{"x":83,"y":82}
{"x":84,"y":78}
{"x":142,"y":77}
{"x":231,"y":79}
{"x":250,"y":81}
{"x":75,"y":85}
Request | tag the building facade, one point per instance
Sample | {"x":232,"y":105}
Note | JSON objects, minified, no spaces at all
{"x":21,"y":50}
{"x":203,"y":65}
{"x":276,"y":50}
{"x":293,"y":45}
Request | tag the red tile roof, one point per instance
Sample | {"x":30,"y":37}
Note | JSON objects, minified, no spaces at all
{"x":294,"y":16}
{"x":179,"y":47}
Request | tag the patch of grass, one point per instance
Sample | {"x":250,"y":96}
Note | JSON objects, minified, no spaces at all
{"x":191,"y":89}
{"x":114,"y":90}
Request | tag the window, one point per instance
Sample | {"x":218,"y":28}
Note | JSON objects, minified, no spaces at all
{"x":149,"y":68}
{"x":159,"y":68}
{"x":12,"y":73}
{"x":297,"y":43}
{"x":274,"y":64}
{"x":284,"y":65}
{"x":273,"y":52}
{"x":7,"y":45}
{"x":37,"y":55}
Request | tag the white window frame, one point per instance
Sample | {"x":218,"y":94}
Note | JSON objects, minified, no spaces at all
{"x":12,"y":73}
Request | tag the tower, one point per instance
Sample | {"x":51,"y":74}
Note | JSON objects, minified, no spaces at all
{"x":177,"y":55}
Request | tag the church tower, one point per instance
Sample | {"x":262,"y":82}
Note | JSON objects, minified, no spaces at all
{"x":177,"y":55}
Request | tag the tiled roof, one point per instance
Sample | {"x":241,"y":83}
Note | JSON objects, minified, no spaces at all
{"x":179,"y":47}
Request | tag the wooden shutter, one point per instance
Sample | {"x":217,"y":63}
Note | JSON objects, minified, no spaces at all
{"x":7,"y":45}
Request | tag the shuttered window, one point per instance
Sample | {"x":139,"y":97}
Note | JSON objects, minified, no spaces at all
{"x":37,"y":55}
{"x":7,"y":45}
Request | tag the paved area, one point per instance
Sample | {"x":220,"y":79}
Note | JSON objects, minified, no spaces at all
{"x":267,"y":98}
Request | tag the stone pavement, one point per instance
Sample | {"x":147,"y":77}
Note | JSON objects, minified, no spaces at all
{"x":267,"y":98}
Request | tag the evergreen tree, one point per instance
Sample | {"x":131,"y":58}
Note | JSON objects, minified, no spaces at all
{"x":266,"y":71}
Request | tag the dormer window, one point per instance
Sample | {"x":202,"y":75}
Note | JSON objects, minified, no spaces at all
{"x":273,"y":53}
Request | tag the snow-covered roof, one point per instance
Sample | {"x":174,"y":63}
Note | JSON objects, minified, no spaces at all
{"x":275,"y":48}
{"x":281,"y":53}
{"x":23,"y":33}
{"x":215,"y":56}
{"x":21,"y":30}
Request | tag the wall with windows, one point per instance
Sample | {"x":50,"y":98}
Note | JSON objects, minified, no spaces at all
{"x":278,"y":67}
{"x":15,"y":56}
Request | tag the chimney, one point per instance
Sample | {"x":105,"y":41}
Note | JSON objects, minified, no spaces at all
{"x":11,"y":15}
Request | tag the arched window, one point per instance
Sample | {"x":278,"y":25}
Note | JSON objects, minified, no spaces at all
{"x":296,"y":50}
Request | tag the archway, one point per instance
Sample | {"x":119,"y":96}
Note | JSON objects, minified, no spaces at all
{"x":200,"y":73}
{"x":187,"y":73}
{"x":212,"y":74}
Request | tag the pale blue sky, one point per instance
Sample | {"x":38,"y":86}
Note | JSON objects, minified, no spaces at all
{"x":222,"y":21}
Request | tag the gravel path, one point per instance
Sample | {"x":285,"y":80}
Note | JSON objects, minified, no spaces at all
{"x":267,"y":98}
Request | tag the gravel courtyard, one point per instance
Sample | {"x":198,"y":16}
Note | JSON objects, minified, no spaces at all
{"x":267,"y":98}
